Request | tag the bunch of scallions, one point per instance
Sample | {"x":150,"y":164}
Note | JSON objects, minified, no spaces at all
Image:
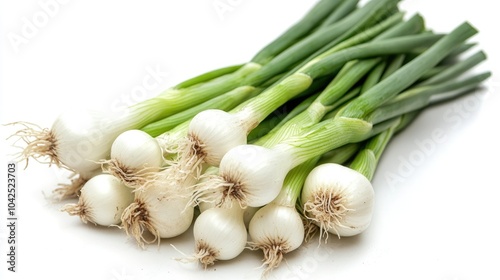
{"x":263,"y":155}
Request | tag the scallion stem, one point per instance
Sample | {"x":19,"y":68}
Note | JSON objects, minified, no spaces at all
{"x":367,"y":158}
{"x":205,"y":77}
{"x":408,"y":74}
{"x":350,"y":74}
{"x":419,"y":97}
{"x":329,"y":36}
{"x":224,"y":102}
{"x":310,"y":21}
{"x":345,"y":8}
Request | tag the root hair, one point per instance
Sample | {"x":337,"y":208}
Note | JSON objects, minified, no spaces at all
{"x":80,"y":209}
{"x":71,"y":189}
{"x":274,"y":251}
{"x":40,"y":144}
{"x":131,"y":177}
{"x":135,"y":220}
{"x":326,"y":209}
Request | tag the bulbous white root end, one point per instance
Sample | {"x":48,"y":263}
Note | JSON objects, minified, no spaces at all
{"x":40,"y":144}
{"x":327,"y":209}
{"x":219,"y":191}
{"x":70,"y":190}
{"x":79,"y":209}
{"x":131,"y":177}
{"x":274,"y":252}
{"x":135,"y":220}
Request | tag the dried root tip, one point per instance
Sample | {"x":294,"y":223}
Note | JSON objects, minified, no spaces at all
{"x":219,"y":191}
{"x":131,"y":177}
{"x":135,"y":220}
{"x":205,"y":254}
{"x":190,"y":159}
{"x":326,"y":210}
{"x":233,"y":191}
{"x":310,"y":229}
{"x":71,"y":190}
{"x":79,"y":209}
{"x":274,"y":253}
{"x":40,"y":144}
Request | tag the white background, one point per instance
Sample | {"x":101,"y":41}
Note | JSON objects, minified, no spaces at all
{"x":438,"y":220}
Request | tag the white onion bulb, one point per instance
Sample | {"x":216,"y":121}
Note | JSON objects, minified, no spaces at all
{"x":102,"y":201}
{"x":250,"y":175}
{"x":338,"y":199}
{"x":214,"y":132}
{"x":135,"y":158}
{"x":248,"y":212}
{"x":77,"y":140}
{"x":159,"y":210}
{"x":276,"y":230}
{"x":220,"y":234}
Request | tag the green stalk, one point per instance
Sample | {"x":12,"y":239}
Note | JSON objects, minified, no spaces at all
{"x":219,"y":81}
{"x":456,"y":69}
{"x":345,"y":8}
{"x":374,"y":77}
{"x":420,"y":97}
{"x":205,"y":77}
{"x":301,"y":107}
{"x":265,"y":103}
{"x":309,"y":45}
{"x":370,"y":34}
{"x":413,"y":26}
{"x":224,"y":102}
{"x":433,"y":72}
{"x":293,"y":183}
{"x":367,"y":159}
{"x":335,"y":132}
{"x":318,"y":85}
{"x":448,"y":62}
{"x":310,"y":21}
{"x":394,"y":65}
{"x":342,"y":101}
{"x":462,"y":48}
{"x":350,"y":74}
{"x":407,"y":74}
{"x":279,"y":117}
{"x":294,"y":180}
{"x":173,"y":101}
{"x":265,"y":127}
{"x":403,"y":44}
{"x":340,"y":155}
{"x":349,"y":125}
